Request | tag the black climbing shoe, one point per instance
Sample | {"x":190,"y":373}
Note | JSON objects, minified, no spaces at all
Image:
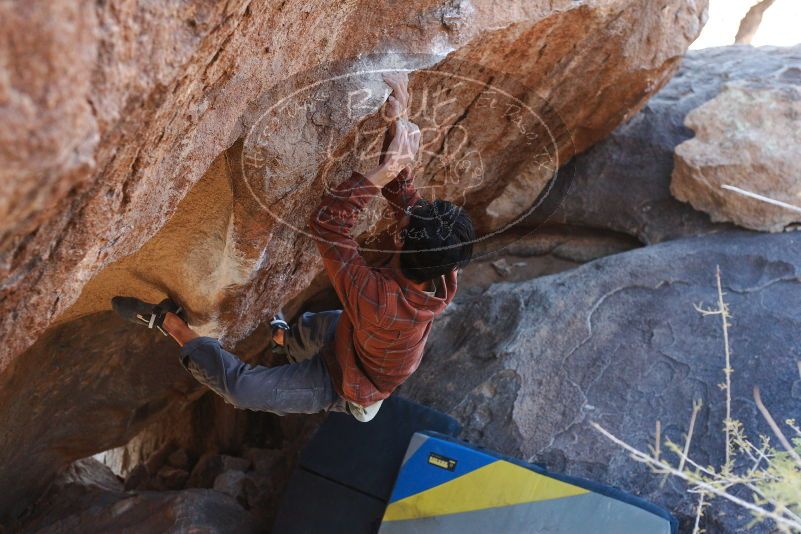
{"x":142,"y":313}
{"x":278,"y":323}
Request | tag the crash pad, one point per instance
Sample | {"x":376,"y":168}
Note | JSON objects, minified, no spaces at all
{"x":448,"y":486}
{"x":346,"y":472}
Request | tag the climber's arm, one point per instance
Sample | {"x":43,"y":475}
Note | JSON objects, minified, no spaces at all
{"x":357,"y":285}
{"x":401,"y":193}
{"x":361,"y":289}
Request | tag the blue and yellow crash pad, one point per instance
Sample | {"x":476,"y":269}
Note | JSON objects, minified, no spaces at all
{"x":446,"y":486}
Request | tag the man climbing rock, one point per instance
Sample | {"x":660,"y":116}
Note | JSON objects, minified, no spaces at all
{"x":349,"y":359}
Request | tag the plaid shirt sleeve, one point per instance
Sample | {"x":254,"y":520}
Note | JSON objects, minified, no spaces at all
{"x":361,"y":289}
{"x":400,"y":193}
{"x":375,"y":359}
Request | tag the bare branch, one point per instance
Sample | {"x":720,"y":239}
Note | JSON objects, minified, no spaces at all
{"x":724,"y":314}
{"x":773,"y":493}
{"x":700,"y":484}
{"x":696,"y":408}
{"x":658,"y":440}
{"x":699,"y":511}
{"x":773,"y":426}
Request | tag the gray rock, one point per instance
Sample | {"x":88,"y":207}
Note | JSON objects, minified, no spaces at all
{"x":251,"y":489}
{"x":179,"y":459}
{"x":90,"y":473}
{"x":234,"y":463}
{"x":502,"y":267}
{"x":211,"y":465}
{"x":137,"y":478}
{"x":84,"y":484}
{"x":172,"y":478}
{"x":88,"y":498}
{"x":526,"y":367}
{"x":622,"y":183}
{"x":231,"y":483}
{"x":523,"y":254}
{"x":266,"y":461}
{"x":192,"y":510}
{"x":748,"y":137}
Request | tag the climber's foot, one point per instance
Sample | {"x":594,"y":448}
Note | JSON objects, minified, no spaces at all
{"x":145,"y":314}
{"x":280,"y":327}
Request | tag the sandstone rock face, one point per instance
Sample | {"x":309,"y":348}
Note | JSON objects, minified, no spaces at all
{"x":527,"y":366}
{"x":748,"y":137}
{"x":624,"y":182}
{"x":124,"y":133}
{"x":158,"y":116}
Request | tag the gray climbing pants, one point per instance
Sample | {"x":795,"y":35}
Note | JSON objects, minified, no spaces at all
{"x":303,"y":386}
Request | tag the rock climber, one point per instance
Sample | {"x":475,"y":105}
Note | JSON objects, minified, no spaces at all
{"x":351,"y":359}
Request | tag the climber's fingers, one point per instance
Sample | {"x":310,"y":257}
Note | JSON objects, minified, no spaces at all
{"x":392,"y":110}
{"x":394,"y":155}
{"x":399,"y":137}
{"x":399,"y":83}
{"x":412,"y":130}
{"x":402,"y":151}
{"x":414,"y":137}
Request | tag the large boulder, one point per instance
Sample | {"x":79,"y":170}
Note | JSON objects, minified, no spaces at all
{"x":88,"y":498}
{"x":526,"y":367}
{"x":624,"y":182}
{"x":748,"y":137}
{"x":142,"y":155}
{"x":171,"y":512}
{"x":163,"y":92}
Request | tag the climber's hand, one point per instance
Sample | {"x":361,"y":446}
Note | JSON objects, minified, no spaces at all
{"x":392,"y":110}
{"x":398,"y":102}
{"x":402,"y":150}
{"x":401,"y":153}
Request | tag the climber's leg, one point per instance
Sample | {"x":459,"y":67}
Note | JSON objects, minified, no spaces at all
{"x":309,"y":333}
{"x":303,"y":387}
{"x":176,"y":327}
{"x":305,"y":340}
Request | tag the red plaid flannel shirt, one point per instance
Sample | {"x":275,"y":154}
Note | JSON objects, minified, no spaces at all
{"x":382,"y":333}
